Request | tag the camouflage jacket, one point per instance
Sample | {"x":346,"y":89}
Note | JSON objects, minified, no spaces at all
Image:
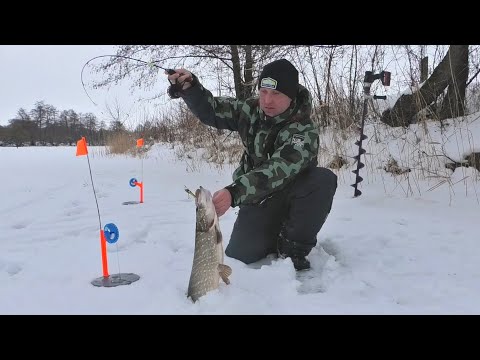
{"x":276,"y":149}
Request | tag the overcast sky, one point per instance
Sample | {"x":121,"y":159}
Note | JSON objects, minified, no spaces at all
{"x":31,"y":73}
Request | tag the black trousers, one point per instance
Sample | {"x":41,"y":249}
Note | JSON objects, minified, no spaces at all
{"x":298,"y":211}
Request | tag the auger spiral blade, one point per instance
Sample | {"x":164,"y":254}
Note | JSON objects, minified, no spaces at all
{"x":358,"y":180}
{"x":357,"y":193}
{"x":362,"y":137}
{"x":360,"y":166}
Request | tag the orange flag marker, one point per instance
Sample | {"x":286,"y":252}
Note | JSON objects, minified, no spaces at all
{"x":82,"y":147}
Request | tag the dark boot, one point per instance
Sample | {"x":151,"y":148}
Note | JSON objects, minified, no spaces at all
{"x":295,"y":251}
{"x":300,"y":263}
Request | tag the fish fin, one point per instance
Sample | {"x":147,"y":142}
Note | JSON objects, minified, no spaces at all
{"x":225,"y":271}
{"x":219,"y":234}
{"x":202,"y":227}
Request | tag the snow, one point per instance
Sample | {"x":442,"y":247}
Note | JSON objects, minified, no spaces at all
{"x":407,"y":245}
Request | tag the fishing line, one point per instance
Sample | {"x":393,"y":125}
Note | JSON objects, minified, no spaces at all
{"x":172,"y":91}
{"x":118,"y":260}
{"x":142,"y":155}
{"x":94,"y":193}
{"x":118,"y":56}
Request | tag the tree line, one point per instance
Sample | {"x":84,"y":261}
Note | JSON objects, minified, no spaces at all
{"x":46,"y":125}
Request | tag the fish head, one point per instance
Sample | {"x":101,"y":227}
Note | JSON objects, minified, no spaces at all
{"x":206,"y":213}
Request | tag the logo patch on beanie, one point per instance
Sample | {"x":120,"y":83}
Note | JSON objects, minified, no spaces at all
{"x":298,"y":140}
{"x":268,"y":83}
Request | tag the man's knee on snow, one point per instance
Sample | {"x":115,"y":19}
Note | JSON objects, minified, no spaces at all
{"x":244,"y":255}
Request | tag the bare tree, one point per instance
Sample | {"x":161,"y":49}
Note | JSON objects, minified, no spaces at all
{"x":73,"y":120}
{"x":451,"y":72}
{"x":22,"y":114}
{"x":51,"y":117}
{"x":453,"y":104}
{"x":38,"y":115}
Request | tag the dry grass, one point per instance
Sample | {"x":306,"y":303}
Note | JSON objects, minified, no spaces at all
{"x":122,"y":143}
{"x":193,"y":141}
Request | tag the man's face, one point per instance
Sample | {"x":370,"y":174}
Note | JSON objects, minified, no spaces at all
{"x":273,"y":102}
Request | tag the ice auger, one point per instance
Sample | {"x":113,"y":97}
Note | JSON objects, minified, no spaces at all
{"x":369,"y":78}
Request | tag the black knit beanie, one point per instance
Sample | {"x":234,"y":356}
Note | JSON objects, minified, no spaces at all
{"x":280,"y":75}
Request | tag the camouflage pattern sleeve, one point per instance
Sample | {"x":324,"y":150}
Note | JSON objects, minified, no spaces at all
{"x":219,"y":112}
{"x":297,"y":149}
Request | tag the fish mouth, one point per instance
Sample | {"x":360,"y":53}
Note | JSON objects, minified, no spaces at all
{"x":203,"y":197}
{"x":206,"y":213}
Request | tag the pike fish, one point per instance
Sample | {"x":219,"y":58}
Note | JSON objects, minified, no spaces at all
{"x":208,"y":267}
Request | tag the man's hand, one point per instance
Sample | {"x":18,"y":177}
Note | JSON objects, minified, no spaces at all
{"x":181,"y":76}
{"x":222,"y":200}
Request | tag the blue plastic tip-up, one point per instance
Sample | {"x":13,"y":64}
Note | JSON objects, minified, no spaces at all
{"x":111,"y":233}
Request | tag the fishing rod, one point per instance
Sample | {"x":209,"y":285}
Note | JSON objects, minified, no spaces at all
{"x":173,"y":90}
{"x":369,"y":78}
